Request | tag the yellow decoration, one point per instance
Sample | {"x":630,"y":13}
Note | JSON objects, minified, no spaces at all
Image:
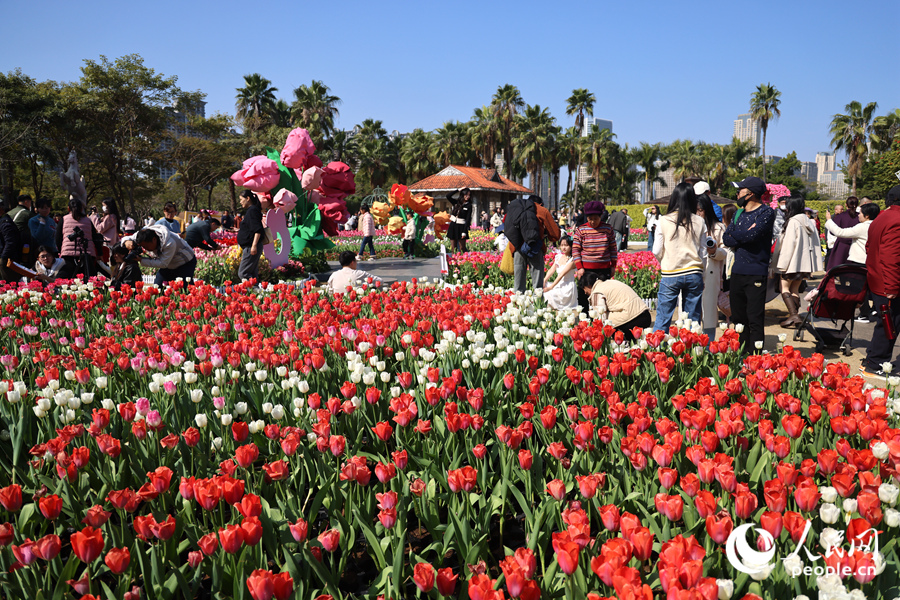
{"x":381,"y":211}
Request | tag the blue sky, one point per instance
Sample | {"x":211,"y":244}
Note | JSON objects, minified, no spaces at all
{"x":660,"y":70}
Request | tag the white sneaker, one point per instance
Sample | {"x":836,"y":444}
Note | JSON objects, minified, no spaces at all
{"x":371,"y":258}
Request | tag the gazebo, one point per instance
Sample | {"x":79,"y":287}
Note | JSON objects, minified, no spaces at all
{"x":490,"y":190}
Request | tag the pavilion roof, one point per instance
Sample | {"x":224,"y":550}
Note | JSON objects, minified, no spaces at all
{"x":476,"y":179}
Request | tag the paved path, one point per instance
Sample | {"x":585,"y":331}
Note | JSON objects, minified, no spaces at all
{"x":395,"y":269}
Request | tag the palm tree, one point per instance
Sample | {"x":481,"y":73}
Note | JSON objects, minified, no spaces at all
{"x":533,"y":129}
{"x":414,"y":154}
{"x":315,"y":109}
{"x":448,"y":144}
{"x":280,"y":114}
{"x":374,"y":160}
{"x":255,"y":100}
{"x":572,"y":147}
{"x":649,"y":158}
{"x":600,"y":155}
{"x":556,"y":158}
{"x":581,"y":101}
{"x":505,"y":103}
{"x":852,"y":132}
{"x":764,"y":105}
{"x":341,"y":146}
{"x":886,"y":126}
{"x":372,"y":129}
{"x":681,"y":155}
{"x":483,"y":135}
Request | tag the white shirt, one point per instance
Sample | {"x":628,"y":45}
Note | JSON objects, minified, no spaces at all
{"x":859,"y":233}
{"x":347,"y":277}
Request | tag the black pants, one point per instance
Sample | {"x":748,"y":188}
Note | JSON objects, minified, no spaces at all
{"x":748,"y":307}
{"x":583,"y":300}
{"x":408,"y":247}
{"x":643,"y":321}
{"x":75,"y":267}
{"x":881,"y":348}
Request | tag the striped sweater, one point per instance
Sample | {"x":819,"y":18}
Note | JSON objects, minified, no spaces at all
{"x":594,"y":248}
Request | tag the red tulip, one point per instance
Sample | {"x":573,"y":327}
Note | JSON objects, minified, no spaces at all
{"x":47,"y":547}
{"x":246,"y":455}
{"x":383,"y":430}
{"x":330,"y":539}
{"x":208,"y":493}
{"x":719,"y":526}
{"x":195,"y":559}
{"x":566,"y":552}
{"x":807,"y":495}
{"x":81,"y":586}
{"x":525,"y":459}
{"x":87,"y":544}
{"x":11,"y":497}
{"x":232,"y":538}
{"x":793,"y":425}
{"x":253,"y":530}
{"x":117,"y":559}
{"x":96,"y":516}
{"x":276,"y":471}
{"x":423,"y":576}
{"x":642,"y":540}
{"x":557,"y":489}
{"x":462,"y":479}
{"x":7,"y":534}
{"x":446,"y":581}
{"x":609,"y":514}
{"x":208,"y":544}
{"x":165,"y":530}
{"x":299,"y":530}
{"x":261,"y":585}
{"x":284,"y":586}
{"x":50,"y":506}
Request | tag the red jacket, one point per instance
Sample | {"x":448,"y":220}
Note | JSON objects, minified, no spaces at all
{"x":883,"y":253}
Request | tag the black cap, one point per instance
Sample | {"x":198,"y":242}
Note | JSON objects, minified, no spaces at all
{"x":754,"y":184}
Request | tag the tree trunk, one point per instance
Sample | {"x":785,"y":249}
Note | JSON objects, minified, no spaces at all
{"x":764,"y":153}
{"x":233,"y":190}
{"x":556,"y":189}
{"x":853,"y":191}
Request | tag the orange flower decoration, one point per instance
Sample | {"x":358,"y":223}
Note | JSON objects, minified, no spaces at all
{"x":441,"y":224}
{"x":395,"y":225}
{"x":421,"y":204}
{"x":399,"y":195}
{"x":381,"y":211}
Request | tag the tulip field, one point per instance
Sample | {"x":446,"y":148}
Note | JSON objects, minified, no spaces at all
{"x":424,"y":442}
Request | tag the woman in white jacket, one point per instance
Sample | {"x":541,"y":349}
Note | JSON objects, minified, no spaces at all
{"x":858,"y":233}
{"x":799,"y":254}
{"x":715,"y":264}
{"x":652,"y":216}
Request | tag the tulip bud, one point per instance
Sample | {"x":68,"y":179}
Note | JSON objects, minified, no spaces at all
{"x":240,"y":408}
{"x":829,"y":513}
{"x":196,"y":396}
{"x":829,"y":494}
{"x":190,"y":377}
{"x":217,"y":443}
{"x":200,"y":420}
{"x":226,"y":420}
{"x":850,"y":505}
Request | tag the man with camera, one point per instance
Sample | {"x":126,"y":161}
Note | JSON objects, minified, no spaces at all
{"x":167,"y":251}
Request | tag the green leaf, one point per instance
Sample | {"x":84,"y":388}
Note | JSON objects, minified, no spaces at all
{"x":374,"y":542}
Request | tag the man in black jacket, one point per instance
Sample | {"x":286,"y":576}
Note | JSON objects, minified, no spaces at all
{"x":10,"y":245}
{"x":199,"y":234}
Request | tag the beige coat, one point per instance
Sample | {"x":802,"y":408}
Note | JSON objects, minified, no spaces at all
{"x":799,"y":250}
{"x":712,"y":279}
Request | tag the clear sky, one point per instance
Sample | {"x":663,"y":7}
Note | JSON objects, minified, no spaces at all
{"x":660,"y":70}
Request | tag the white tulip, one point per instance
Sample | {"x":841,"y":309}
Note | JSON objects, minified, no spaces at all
{"x":250,"y":366}
{"x":44,"y":404}
{"x":70,"y":415}
{"x":87,"y":397}
{"x":887,"y":367}
{"x":241,"y":408}
{"x":226,"y":420}
{"x":297,"y":413}
{"x":267,"y":407}
{"x":758,"y":345}
{"x":217,"y":443}
{"x":108,"y":404}
{"x":880,"y":450}
{"x":188,"y":366}
{"x":235,"y":374}
{"x":829,"y":513}
{"x":793,"y":565}
{"x":281,"y":371}
{"x":196,"y":396}
{"x":200,"y":420}
{"x":13,"y":397}
{"x":254,"y":427}
{"x":888,"y":493}
{"x":261,"y":375}
{"x":100,"y":382}
{"x":74,"y":403}
{"x":40,"y":414}
{"x":726,"y":588}
{"x":739,"y":327}
{"x":154,"y":387}
{"x":215,"y":391}
{"x":849,"y":505}
{"x":278,"y":412}
{"x":892,"y":517}
{"x":190,"y":377}
{"x":829,"y":494}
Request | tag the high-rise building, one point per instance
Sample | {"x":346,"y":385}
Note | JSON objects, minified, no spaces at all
{"x":583,"y":172}
{"x":179,"y":117}
{"x":809,"y":172}
{"x":746,"y":129}
{"x":824,"y":161}
{"x":660,"y":190}
{"x":832,"y":185}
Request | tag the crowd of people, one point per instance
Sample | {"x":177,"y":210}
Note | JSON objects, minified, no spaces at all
{"x":85,"y":242}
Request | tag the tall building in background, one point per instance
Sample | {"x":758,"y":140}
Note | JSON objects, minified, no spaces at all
{"x":746,"y":129}
{"x":660,"y":190}
{"x":809,"y":172}
{"x":825,"y":161}
{"x":583,"y":172}
{"x":832,"y":185}
{"x":179,"y":116}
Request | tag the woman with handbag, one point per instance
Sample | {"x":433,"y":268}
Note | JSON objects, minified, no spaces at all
{"x":460,"y":219}
{"x":250,"y":236}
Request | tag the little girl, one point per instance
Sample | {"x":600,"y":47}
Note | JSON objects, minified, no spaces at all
{"x":562,"y":293}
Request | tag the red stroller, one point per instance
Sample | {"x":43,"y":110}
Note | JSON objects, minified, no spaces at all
{"x":838,"y":296}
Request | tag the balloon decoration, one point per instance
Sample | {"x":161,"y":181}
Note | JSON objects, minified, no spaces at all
{"x":309,"y":198}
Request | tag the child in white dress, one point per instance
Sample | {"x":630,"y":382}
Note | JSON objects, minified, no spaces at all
{"x":562,"y":293}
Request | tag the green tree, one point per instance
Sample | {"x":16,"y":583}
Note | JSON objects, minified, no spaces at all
{"x":254,"y":101}
{"x":315,"y":109}
{"x":884,"y":167}
{"x":649,"y":158}
{"x":533,"y":130}
{"x":341,"y":146}
{"x":484,"y":135}
{"x":764,"y":105}
{"x":124,"y":103}
{"x":415,"y":155}
{"x":448,"y":144}
{"x":506,"y":102}
{"x":280,"y":114}
{"x":600,"y":156}
{"x":682,"y":156}
{"x":580,"y":102}
{"x":886,"y":127}
{"x":571,"y":146}
{"x":787,"y":172}
{"x":852,"y":133}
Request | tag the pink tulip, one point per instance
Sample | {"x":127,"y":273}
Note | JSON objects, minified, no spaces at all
{"x":312,"y":178}
{"x":298,"y":147}
{"x":258,"y":173}
{"x":286,"y":200}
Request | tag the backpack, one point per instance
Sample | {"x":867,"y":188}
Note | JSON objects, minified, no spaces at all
{"x":522,"y":227}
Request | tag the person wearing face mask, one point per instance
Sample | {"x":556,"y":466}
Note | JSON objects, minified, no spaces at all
{"x":108,"y":224}
{"x":750,"y":236}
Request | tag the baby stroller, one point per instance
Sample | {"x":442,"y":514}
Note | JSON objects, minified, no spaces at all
{"x":837,"y":298}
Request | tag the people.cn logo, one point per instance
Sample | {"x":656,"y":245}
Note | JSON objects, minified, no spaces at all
{"x":743,"y":557}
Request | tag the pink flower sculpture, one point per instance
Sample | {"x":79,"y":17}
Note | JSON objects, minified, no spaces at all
{"x":258,"y":173}
{"x":337,"y":180}
{"x":774,"y":191}
{"x":312,"y":178}
{"x":286,"y":200}
{"x":297,"y":149}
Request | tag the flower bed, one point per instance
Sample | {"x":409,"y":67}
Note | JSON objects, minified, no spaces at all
{"x":406,"y":442}
{"x":640,"y":270}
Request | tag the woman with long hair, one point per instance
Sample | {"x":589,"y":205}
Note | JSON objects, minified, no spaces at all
{"x":562,"y":293}
{"x":799,"y":254}
{"x":715,"y":264}
{"x":652,"y":215}
{"x":460,"y":218}
{"x":75,"y":240}
{"x":108,"y":224}
{"x":680,"y":247}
